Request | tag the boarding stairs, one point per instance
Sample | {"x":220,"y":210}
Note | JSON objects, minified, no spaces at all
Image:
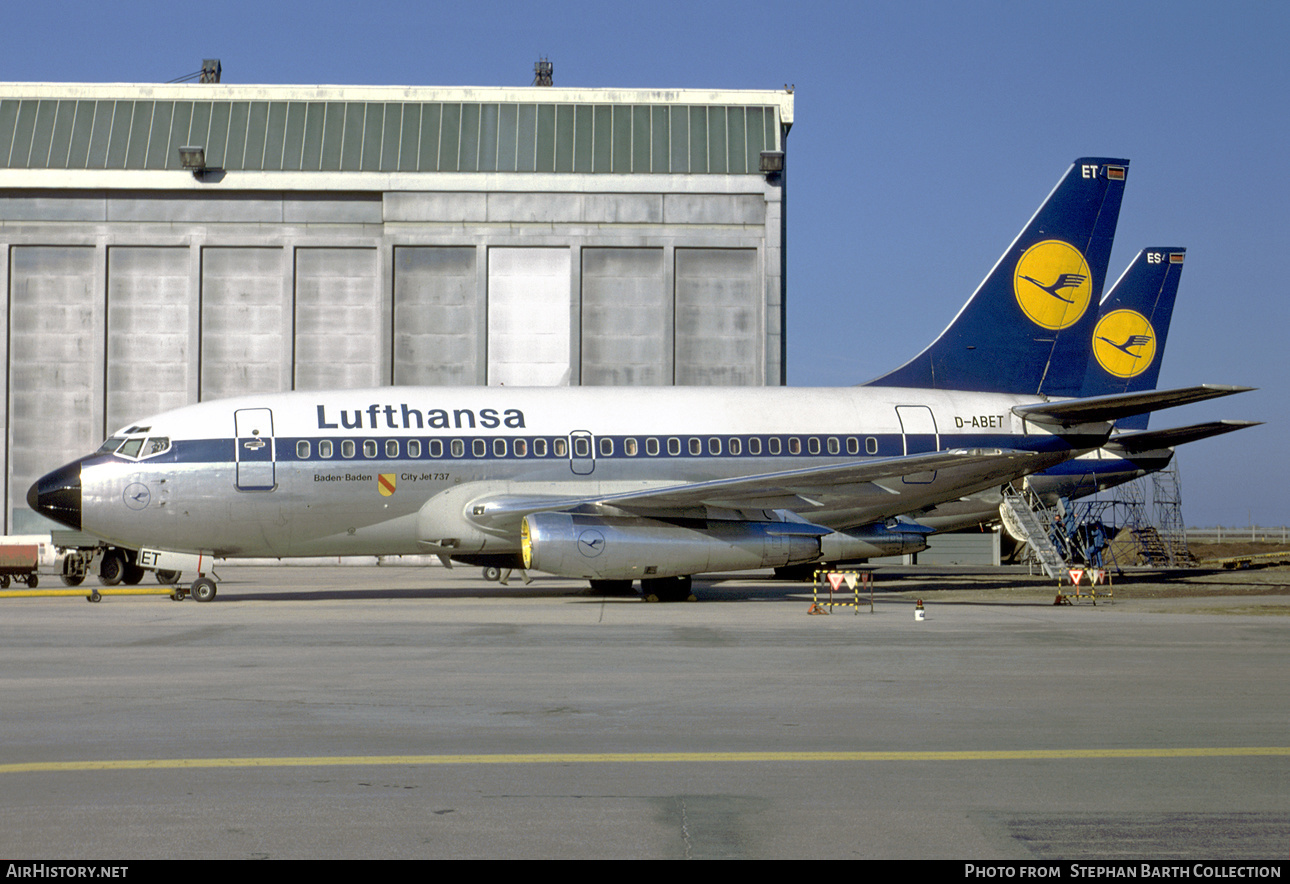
{"x":1029,"y":515}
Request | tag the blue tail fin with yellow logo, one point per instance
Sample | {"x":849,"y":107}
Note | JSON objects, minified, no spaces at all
{"x":1027,"y":327}
{"x":1132,"y":325}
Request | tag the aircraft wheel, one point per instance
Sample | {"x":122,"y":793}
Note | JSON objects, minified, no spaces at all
{"x":112,"y":569}
{"x":167,"y":578}
{"x":611,"y":587}
{"x":73,"y":579}
{"x":667,"y":589}
{"x":492,"y":574}
{"x":203,"y":589}
{"x":132,"y":575}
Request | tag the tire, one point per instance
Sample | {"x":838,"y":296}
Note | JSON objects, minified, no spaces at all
{"x":73,"y":579}
{"x":611,"y":587}
{"x":203,"y":589}
{"x":111,"y":569}
{"x":667,"y":589}
{"x":32,"y":581}
{"x":132,"y":575}
{"x":167,"y":578}
{"x":492,"y":574}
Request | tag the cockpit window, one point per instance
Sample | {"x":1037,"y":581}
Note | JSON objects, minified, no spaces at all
{"x":136,"y":447}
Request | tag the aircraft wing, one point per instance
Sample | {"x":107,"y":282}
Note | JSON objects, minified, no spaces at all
{"x":1131,"y":443}
{"x":1100,"y":409}
{"x":806,"y":488}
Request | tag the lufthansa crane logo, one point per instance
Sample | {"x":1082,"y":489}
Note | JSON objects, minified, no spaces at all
{"x":1053,"y":284}
{"x":591,"y":543}
{"x":1124,"y":343}
{"x":136,"y":496}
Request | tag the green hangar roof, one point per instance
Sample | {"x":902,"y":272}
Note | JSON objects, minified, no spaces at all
{"x":390,"y":129}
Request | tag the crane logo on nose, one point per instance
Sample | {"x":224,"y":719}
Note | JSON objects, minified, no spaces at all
{"x":137,"y":496}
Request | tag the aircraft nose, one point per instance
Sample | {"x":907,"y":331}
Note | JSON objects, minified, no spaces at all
{"x":58,"y":495}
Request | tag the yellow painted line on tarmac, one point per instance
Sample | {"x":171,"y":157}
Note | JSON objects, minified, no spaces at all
{"x":642,"y":758}
{"x":82,"y":592}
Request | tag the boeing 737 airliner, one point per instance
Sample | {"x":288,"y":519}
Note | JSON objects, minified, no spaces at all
{"x":655,"y":484}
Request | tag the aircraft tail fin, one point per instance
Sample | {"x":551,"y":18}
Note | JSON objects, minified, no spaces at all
{"x":1027,"y":327}
{"x":1132,"y":326}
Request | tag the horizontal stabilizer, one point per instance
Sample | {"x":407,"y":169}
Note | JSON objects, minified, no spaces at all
{"x":1132,"y":443}
{"x":1099,"y":409}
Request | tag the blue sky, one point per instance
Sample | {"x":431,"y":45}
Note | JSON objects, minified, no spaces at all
{"x":926,"y":135}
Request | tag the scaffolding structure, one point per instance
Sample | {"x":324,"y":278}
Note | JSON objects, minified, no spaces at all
{"x":1146,"y":517}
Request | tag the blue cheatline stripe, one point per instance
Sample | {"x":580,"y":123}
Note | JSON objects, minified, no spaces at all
{"x":472,"y":448}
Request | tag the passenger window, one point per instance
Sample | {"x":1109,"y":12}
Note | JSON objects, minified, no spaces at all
{"x":521,"y":448}
{"x":714,"y":445}
{"x":835,"y":447}
{"x":813,"y":445}
{"x":539,"y":448}
{"x":560,"y":447}
{"x":302,"y":449}
{"x":696,"y":446}
{"x":853,"y":445}
{"x":735,"y":446}
{"x":606,"y":446}
{"x":369,"y":448}
{"x":479,"y":448}
{"x":674,"y":446}
{"x":347,"y":448}
{"x":581,"y":446}
{"x":774,"y":445}
{"x":629,"y":447}
{"x":458,"y":448}
{"x":325,"y":448}
{"x":871,"y":445}
{"x":651,"y":447}
{"x":754,"y":446}
{"x":499,"y":448}
{"x":794,"y":445}
{"x":391,"y":447}
{"x":414,"y":448}
{"x":436,"y":448}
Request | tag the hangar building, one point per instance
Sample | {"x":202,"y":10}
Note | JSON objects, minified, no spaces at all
{"x":344,"y":236}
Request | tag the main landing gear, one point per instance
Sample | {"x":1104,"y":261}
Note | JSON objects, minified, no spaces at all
{"x":655,"y":589}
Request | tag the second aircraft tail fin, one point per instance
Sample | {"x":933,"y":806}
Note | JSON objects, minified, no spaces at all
{"x":1133,"y":323}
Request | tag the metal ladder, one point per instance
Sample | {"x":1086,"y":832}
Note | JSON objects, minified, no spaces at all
{"x":1026,"y":511}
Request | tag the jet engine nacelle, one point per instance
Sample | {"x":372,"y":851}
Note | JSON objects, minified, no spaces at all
{"x":609,"y":548}
{"x":872,"y":541}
